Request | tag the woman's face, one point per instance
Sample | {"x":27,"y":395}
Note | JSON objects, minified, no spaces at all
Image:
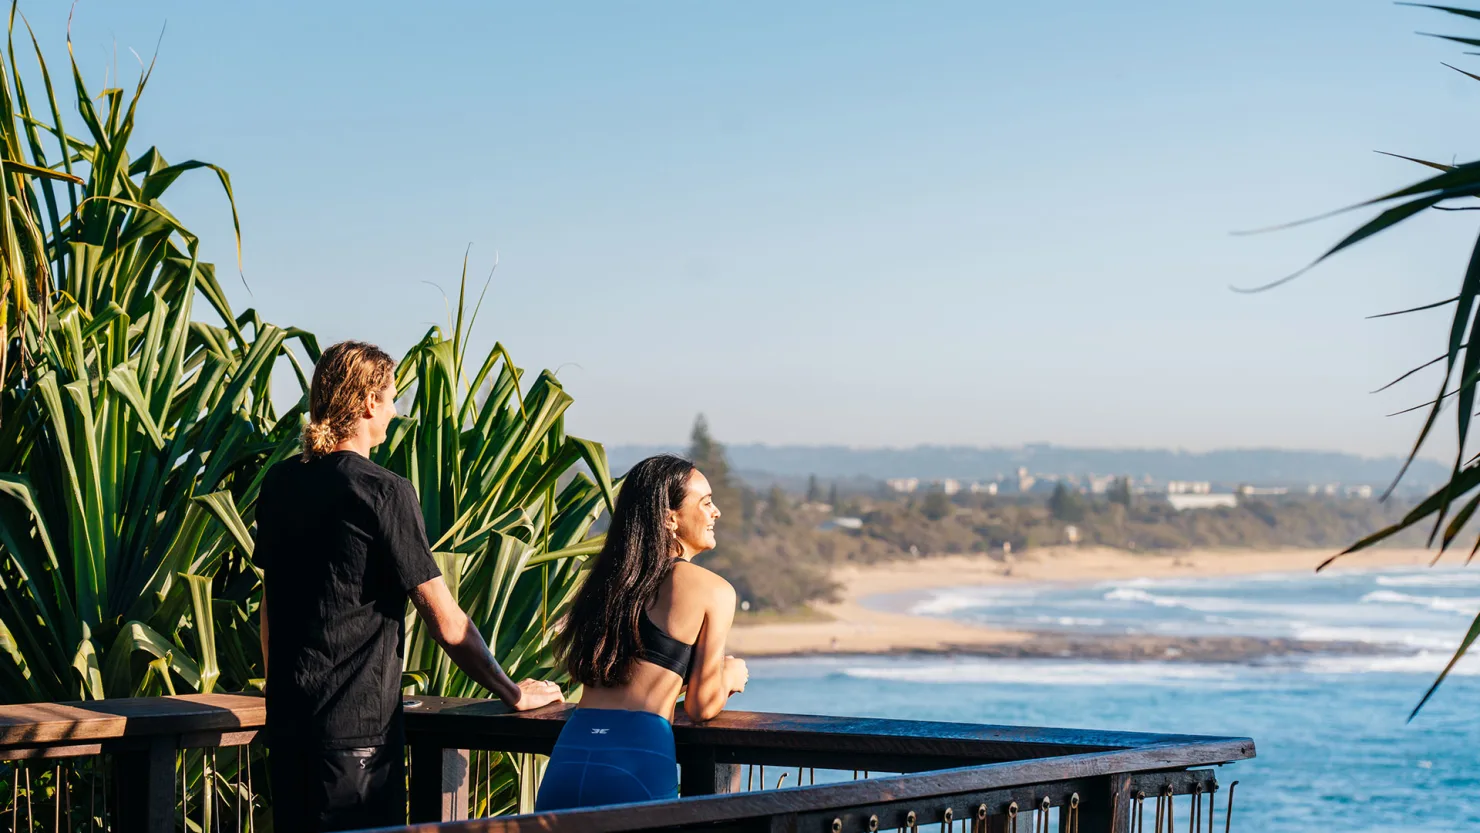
{"x":693,"y":522}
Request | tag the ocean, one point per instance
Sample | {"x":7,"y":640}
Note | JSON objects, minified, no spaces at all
{"x":1335,"y":749}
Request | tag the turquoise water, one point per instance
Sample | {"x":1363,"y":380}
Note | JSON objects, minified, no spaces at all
{"x":1334,"y":750}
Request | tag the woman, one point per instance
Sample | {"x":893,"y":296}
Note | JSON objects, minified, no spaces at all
{"x":646,"y":627}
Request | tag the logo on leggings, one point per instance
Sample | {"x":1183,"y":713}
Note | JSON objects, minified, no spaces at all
{"x":598,"y":731}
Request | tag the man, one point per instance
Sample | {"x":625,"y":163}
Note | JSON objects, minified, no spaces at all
{"x":342,"y":545}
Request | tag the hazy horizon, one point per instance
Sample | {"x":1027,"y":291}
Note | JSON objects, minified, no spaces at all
{"x":859,"y":224}
{"x":1226,"y":467}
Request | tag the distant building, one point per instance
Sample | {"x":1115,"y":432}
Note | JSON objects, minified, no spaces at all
{"x":1189,"y":487}
{"x":982,"y":488}
{"x":1250,"y":491}
{"x":1199,"y":500}
{"x":841,"y":523}
{"x":905,"y":485}
{"x":1363,"y":492}
{"x":949,"y":486}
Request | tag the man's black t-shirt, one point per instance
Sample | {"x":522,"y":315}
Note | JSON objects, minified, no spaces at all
{"x":341,"y":541}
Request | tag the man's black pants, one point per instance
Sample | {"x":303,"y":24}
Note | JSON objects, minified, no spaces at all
{"x":316,"y":790}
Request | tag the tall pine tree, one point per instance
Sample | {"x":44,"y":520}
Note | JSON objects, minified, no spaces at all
{"x":814,"y":490}
{"x":709,"y":456}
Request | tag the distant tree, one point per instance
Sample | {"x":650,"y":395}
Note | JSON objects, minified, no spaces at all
{"x":1120,"y":492}
{"x":814,"y":491}
{"x":707,"y":454}
{"x":936,"y":506}
{"x":778,"y":507}
{"x":709,"y":457}
{"x":748,"y":506}
{"x":832,"y":497}
{"x":1066,"y":505}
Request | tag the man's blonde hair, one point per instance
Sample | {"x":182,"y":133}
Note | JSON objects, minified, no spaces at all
{"x":347,"y":374}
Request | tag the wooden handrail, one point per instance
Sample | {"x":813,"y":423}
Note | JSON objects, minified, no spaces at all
{"x":965,"y":767}
{"x":95,"y":721}
{"x":488,"y":724}
{"x":485,"y":724}
{"x":962,"y":765}
{"x":973,"y":782}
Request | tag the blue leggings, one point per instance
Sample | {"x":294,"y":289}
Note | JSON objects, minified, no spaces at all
{"x":610,"y":756}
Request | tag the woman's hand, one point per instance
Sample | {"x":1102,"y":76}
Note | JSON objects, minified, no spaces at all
{"x":736,"y":674}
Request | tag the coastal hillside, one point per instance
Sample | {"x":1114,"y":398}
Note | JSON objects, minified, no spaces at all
{"x":781,"y":548}
{"x":761,"y":465}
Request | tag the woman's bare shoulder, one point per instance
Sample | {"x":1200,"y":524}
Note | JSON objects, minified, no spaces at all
{"x":698,"y":580}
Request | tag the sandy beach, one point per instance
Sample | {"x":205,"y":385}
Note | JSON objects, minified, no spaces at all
{"x":854,"y":628}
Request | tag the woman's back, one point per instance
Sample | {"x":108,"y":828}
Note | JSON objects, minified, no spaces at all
{"x":646,"y":627}
{"x":682,"y":607}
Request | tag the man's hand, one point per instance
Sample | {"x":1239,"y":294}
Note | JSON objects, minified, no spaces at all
{"x":536,"y":693}
{"x":736,"y":674}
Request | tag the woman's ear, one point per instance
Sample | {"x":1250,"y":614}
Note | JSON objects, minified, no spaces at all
{"x":672,"y":521}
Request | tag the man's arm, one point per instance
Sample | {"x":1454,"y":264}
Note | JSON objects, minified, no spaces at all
{"x":455,"y":632}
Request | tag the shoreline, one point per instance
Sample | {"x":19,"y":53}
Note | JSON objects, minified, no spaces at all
{"x":854,"y":627}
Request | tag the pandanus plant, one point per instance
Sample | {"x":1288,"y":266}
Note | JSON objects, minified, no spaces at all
{"x":509,"y":499}
{"x":1446,"y":512}
{"x":132,"y":434}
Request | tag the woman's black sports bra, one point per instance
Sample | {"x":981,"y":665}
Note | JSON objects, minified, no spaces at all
{"x":663,"y":650}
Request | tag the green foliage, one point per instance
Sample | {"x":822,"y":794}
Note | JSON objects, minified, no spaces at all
{"x":814,"y":491}
{"x":133,"y":438}
{"x":507,"y":509}
{"x":1447,"y":512}
{"x":778,"y":507}
{"x":1120,"y":492}
{"x":131,"y":434}
{"x":509,"y":499}
{"x":936,"y":506}
{"x":1066,"y":504}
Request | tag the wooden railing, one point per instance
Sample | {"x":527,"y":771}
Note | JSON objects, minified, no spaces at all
{"x":133,"y":764}
{"x":170,"y":763}
{"x":980,"y":777}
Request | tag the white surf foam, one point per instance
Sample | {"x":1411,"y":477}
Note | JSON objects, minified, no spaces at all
{"x":1201,"y":604}
{"x":1447,"y":604}
{"x":1053,"y":672}
{"x":1432,"y":578}
{"x":945,"y":603}
{"x":1431,"y":639}
{"x":1427,"y":663}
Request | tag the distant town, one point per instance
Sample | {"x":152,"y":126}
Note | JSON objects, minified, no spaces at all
{"x":1040,"y":467}
{"x":1181,"y":494}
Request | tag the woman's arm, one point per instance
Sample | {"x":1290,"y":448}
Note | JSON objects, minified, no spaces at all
{"x":714,"y":676}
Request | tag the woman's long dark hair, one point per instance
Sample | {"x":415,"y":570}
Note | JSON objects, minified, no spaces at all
{"x":600,"y":639}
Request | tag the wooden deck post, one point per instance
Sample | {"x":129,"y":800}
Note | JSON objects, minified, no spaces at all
{"x":439,"y":783}
{"x":701,"y":774}
{"x":144,"y":786}
{"x":1106,"y":810}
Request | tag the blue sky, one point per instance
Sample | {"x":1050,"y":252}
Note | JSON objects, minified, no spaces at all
{"x":857,"y":223}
